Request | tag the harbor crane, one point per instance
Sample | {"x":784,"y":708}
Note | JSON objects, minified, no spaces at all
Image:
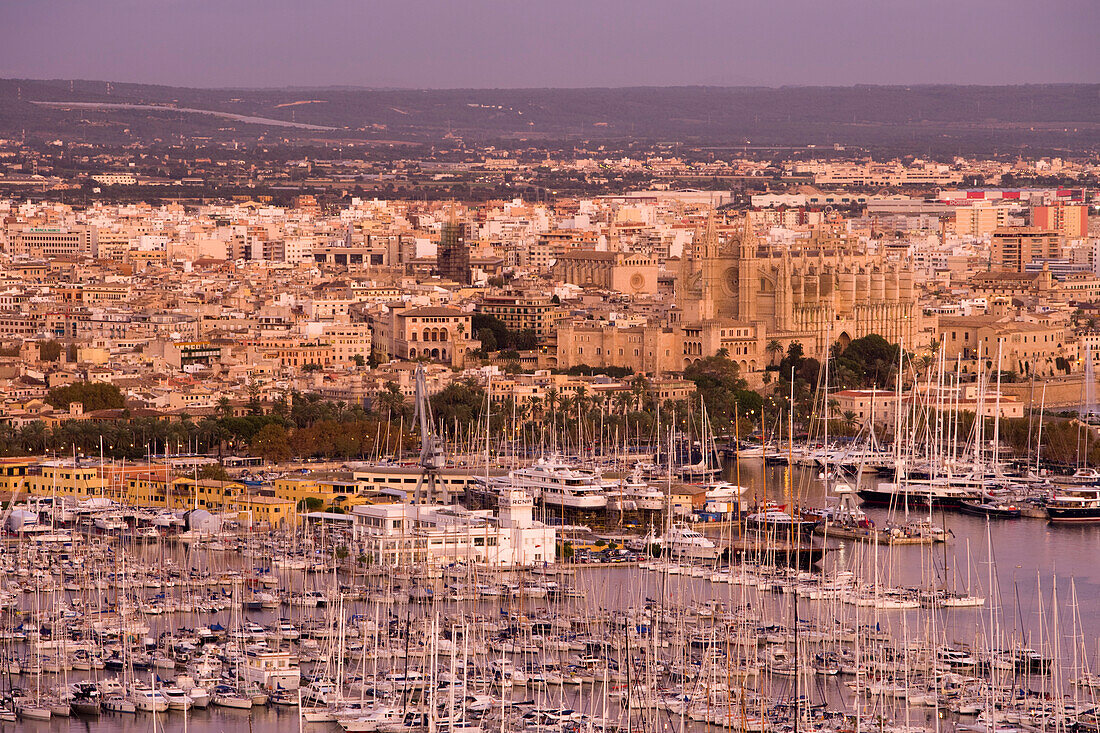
{"x":432,"y":455}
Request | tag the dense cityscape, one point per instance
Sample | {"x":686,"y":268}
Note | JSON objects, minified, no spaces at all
{"x":624,"y":405}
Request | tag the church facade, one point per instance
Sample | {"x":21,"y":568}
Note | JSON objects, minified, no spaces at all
{"x":817,"y":291}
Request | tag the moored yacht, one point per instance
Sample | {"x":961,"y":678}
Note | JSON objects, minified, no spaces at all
{"x":683,"y":541}
{"x":177,"y":698}
{"x":1086,"y":476}
{"x":1074,"y":504}
{"x":556,"y":483}
{"x":936,"y":492}
{"x":271,"y":670}
{"x":722,"y":497}
{"x":774,"y":518}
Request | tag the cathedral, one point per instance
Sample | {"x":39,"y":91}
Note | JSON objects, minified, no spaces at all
{"x":818,"y":290}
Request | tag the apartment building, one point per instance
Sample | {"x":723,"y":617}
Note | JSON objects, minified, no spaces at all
{"x":521,"y":311}
{"x":1013,"y":248}
{"x":1071,"y":221}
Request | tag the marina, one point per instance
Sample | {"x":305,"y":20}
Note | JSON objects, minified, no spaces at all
{"x":108,"y":631}
{"x":618,"y":590}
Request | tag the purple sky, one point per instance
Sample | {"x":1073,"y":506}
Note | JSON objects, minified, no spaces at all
{"x":559,"y":43}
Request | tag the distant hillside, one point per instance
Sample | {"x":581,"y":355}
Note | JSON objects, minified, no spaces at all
{"x":919,"y":119}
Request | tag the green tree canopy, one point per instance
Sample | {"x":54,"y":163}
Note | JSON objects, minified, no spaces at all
{"x":494,"y":334}
{"x":271,"y":443}
{"x":718,"y":380}
{"x":92,"y":395}
{"x":870,"y":360}
{"x":461,"y":401}
{"x":49,"y":351}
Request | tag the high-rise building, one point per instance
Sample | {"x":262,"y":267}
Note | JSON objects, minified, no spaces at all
{"x":981,"y":218}
{"x":1071,"y":221}
{"x":453,"y":256}
{"x":1013,"y":248}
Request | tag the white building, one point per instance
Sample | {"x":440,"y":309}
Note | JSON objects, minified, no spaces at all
{"x":390,"y":534}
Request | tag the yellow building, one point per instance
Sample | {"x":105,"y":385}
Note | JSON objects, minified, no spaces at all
{"x":66,"y":479}
{"x":269,"y":510}
{"x":13,"y":474}
{"x":152,"y":490}
{"x":218,"y":497}
{"x":332,"y":490}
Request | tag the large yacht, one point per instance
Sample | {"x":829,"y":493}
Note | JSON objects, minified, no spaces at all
{"x":922,"y":493}
{"x":722,"y":497}
{"x":271,"y":670}
{"x":558,"y":484}
{"x":634,"y":492}
{"x":1074,"y":504}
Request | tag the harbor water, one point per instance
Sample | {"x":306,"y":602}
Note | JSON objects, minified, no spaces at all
{"x":1041,"y":585}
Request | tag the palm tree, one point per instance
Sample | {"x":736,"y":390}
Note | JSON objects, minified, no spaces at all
{"x":849,"y":419}
{"x":392,"y":400}
{"x":580,"y":399}
{"x":639,"y":388}
{"x":225,"y":408}
{"x":773,"y":348}
{"x":33,"y":436}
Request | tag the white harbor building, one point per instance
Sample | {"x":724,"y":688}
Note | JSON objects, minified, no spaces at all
{"x":390,"y":534}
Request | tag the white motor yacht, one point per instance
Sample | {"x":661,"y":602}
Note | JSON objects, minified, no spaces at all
{"x":177,"y":698}
{"x":558,"y":484}
{"x":683,"y":541}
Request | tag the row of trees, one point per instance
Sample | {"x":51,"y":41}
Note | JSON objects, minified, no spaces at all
{"x":307,"y":426}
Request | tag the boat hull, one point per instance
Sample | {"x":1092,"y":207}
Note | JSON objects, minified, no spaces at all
{"x":1075,"y":515}
{"x":910,"y":498}
{"x":89,"y":708}
{"x":986,"y":510}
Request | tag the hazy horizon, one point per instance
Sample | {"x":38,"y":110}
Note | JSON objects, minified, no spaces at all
{"x":368,"y":88}
{"x":500,"y":44}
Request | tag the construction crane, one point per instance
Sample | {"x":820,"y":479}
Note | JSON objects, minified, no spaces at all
{"x":432,"y":456}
